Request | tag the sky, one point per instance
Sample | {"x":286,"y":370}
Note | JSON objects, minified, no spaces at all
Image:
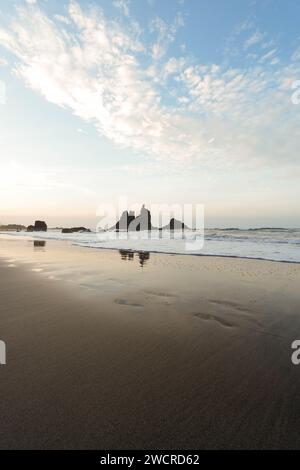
{"x":159,"y":102}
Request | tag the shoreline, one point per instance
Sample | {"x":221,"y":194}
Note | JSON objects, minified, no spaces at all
{"x":140,"y":250}
{"x":170,"y":253}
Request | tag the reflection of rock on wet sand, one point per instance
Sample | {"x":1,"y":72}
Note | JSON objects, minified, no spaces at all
{"x":39,"y":245}
{"x":144,"y":256}
{"x":128,"y":255}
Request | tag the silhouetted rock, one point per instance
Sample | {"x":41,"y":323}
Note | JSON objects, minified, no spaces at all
{"x":125,"y":221}
{"x":39,"y":226}
{"x":128,"y":222}
{"x":142,"y":221}
{"x":75,"y":230}
{"x":12,"y":228}
{"x":174,"y":224}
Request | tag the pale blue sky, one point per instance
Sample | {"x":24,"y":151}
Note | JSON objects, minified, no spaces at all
{"x":161,"y":101}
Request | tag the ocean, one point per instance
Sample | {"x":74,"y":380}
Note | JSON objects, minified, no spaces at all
{"x":275,"y":244}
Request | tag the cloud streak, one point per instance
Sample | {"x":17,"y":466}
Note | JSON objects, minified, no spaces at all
{"x":171,"y":109}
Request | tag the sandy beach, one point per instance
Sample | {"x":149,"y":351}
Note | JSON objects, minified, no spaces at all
{"x":115,"y":350}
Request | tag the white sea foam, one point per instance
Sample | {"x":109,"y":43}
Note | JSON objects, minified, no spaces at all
{"x":270,"y":244}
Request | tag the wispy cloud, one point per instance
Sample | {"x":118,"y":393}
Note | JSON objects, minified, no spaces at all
{"x":62,"y":19}
{"x":173,"y":108}
{"x":123,"y":5}
{"x":296,"y":55}
{"x":268,"y":56}
{"x":253,"y":39}
{"x":166,"y":34}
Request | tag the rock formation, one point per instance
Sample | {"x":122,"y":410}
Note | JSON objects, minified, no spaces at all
{"x":128,"y":222}
{"x":174,"y":224}
{"x":125,"y":221}
{"x":143,"y":221}
{"x":75,"y":230}
{"x":12,"y":228}
{"x":39,"y":226}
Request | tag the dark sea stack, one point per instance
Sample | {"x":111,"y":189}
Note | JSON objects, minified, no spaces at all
{"x":141,"y":222}
{"x":145,"y":219}
{"x":76,"y":230}
{"x":80,"y":229}
{"x":128,"y":222}
{"x":126,"y":219}
{"x":174,"y":224}
{"x":12,"y":228}
{"x":39,"y":226}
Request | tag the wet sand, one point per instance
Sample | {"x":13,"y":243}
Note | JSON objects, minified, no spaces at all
{"x":109,"y":350}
